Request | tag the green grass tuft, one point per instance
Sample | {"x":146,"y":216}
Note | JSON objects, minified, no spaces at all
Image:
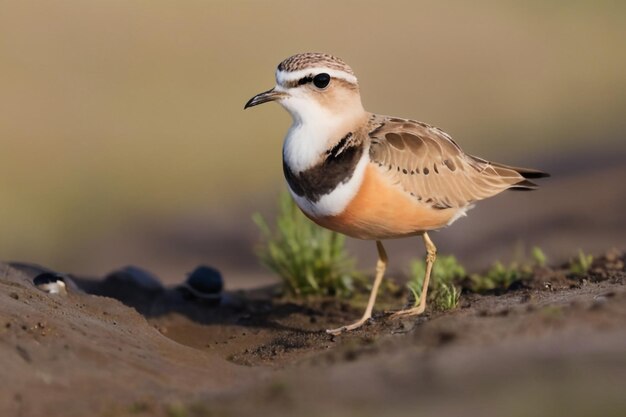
{"x":309,"y":259}
{"x":444,"y":292}
{"x":501,"y":277}
{"x":538,"y":256}
{"x":498,"y":277}
{"x":449,"y":277}
{"x":581,"y":264}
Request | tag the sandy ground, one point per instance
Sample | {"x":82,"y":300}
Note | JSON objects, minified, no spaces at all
{"x":554,"y":346}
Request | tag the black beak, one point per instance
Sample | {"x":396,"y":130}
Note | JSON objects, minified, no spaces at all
{"x":269,"y":95}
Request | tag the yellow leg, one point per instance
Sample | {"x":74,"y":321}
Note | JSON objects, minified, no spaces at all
{"x":380,"y":271}
{"x":431,"y":255}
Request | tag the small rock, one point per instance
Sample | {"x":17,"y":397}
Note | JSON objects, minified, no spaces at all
{"x":206,"y":280}
{"x":51,"y":283}
{"x":132,"y":276}
{"x":204,"y":283}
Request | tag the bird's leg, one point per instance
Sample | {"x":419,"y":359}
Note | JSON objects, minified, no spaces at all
{"x":380,"y":271}
{"x":431,"y":255}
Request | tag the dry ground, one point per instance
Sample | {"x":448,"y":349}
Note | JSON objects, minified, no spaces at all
{"x":556,"y":345}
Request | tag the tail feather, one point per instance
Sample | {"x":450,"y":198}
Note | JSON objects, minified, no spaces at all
{"x":526,"y":173}
{"x":524,"y":185}
{"x":513,"y":173}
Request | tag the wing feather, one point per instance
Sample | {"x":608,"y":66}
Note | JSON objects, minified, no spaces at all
{"x":429,"y":165}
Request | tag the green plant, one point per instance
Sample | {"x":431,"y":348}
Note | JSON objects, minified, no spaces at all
{"x":443,"y":292}
{"x":500,"y":276}
{"x":446,"y":297}
{"x":581,"y":264}
{"x":309,"y":259}
{"x":538,"y":256}
{"x":497,"y":277}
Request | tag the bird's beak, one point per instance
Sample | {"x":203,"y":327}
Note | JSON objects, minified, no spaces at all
{"x":269,"y":95}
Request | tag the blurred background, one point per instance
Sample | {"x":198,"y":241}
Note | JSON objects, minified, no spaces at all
{"x":123,"y":138}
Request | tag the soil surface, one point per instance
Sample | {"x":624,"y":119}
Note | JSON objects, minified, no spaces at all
{"x":552,"y":345}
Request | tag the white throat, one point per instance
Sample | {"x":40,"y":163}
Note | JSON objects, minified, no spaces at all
{"x":314,"y":129}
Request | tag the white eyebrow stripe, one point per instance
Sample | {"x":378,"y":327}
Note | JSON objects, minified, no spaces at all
{"x":283,"y":77}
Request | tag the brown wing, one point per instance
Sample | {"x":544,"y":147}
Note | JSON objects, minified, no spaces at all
{"x":429,"y":165}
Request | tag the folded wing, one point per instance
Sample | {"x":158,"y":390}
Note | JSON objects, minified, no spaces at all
{"x":430,"y":166}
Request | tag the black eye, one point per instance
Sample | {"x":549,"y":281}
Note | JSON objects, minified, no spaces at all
{"x":321,"y":80}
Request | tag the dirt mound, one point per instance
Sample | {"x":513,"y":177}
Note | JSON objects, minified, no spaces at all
{"x":66,"y":355}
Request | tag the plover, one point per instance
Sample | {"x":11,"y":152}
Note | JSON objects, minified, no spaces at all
{"x":371,"y":176}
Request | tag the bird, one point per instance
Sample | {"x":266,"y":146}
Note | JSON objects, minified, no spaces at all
{"x":370,"y":176}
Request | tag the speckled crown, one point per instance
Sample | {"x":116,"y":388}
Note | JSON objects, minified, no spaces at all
{"x":313,"y":59}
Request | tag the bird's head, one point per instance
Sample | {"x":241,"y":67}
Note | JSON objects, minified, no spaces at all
{"x":313,"y":86}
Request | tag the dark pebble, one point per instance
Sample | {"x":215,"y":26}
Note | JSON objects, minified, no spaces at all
{"x":132,"y":277}
{"x":206,"y":280}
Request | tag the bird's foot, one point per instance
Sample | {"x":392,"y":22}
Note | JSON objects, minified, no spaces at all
{"x":355,"y":325}
{"x":409,"y":312}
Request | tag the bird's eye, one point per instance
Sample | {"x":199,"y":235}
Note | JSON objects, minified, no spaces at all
{"x":321,"y":80}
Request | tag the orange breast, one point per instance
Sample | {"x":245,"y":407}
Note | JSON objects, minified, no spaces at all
{"x":383,"y":210}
